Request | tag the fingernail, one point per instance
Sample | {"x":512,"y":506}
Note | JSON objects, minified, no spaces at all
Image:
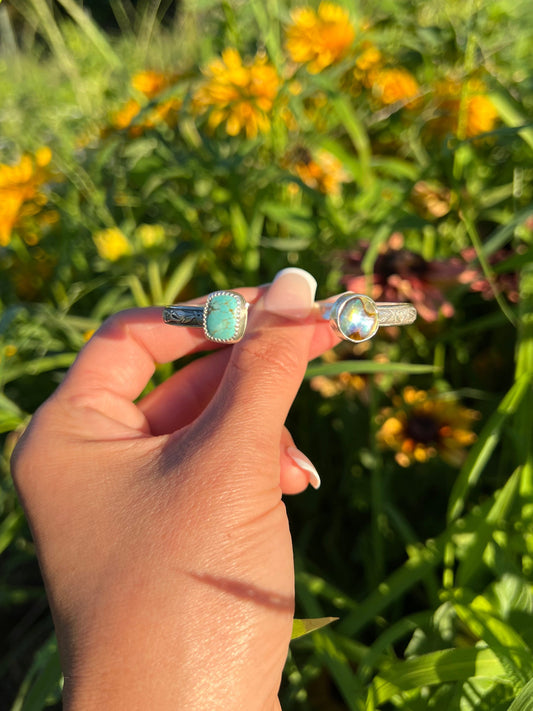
{"x":302,"y":462}
{"x":292,"y":293}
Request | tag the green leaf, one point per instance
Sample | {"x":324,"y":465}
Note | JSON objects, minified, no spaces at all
{"x":358,"y":135}
{"x":481,"y":618}
{"x":340,"y":669}
{"x":239,"y":227}
{"x":303,"y":627}
{"x":512,"y":115}
{"x":42,"y":679}
{"x":9,"y":527}
{"x":39,"y":365}
{"x":482,"y":450}
{"x":524,"y":700}
{"x":473,"y":558}
{"x":436,"y":668}
{"x":180,"y":277}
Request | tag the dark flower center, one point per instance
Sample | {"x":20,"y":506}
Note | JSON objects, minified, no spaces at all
{"x":423,"y":429}
{"x":402,"y":262}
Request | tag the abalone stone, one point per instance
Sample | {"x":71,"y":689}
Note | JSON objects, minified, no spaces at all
{"x":358,"y":318}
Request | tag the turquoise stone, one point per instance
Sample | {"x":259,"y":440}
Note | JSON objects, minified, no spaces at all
{"x":358,"y":319}
{"x":222,"y":317}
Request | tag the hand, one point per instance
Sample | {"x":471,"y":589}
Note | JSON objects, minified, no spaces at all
{"x":160,"y":530}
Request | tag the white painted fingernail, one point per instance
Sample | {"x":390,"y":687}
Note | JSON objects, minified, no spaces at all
{"x":292,"y":293}
{"x":302,"y":462}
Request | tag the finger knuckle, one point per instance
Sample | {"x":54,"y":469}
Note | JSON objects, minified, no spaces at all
{"x":273,"y":356}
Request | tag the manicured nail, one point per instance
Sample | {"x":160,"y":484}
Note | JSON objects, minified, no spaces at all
{"x":302,"y":462}
{"x":292,"y":294}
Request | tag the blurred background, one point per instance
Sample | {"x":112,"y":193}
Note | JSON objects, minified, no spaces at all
{"x":153,"y":151}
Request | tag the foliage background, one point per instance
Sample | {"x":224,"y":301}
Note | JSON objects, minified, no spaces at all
{"x":405,"y":171}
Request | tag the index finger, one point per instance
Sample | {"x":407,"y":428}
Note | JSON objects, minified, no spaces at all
{"x":121,"y":356}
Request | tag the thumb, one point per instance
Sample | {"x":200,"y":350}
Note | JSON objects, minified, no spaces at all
{"x":267,"y":366}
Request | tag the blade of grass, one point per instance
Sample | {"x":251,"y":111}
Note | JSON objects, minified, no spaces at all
{"x":502,"y":235}
{"x":478,"y":615}
{"x":422,"y":559}
{"x":358,"y":136}
{"x":486,"y":268}
{"x":339,"y":668}
{"x":471,"y":561}
{"x":180,"y":277}
{"x":303,"y":627}
{"x":524,"y":368}
{"x":92,"y":32}
{"x":512,"y":115}
{"x":480,"y":453}
{"x":524,"y":700}
{"x":436,"y":668}
{"x":43,"y":678}
{"x":368,"y":367}
{"x":39,"y":365}
{"x":9,"y":527}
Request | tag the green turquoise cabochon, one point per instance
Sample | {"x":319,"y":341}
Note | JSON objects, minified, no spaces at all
{"x":225,"y":316}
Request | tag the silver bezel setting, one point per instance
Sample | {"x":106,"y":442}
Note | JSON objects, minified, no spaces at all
{"x":340,"y":305}
{"x":241,"y":317}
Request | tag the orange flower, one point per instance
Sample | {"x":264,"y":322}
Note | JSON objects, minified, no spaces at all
{"x":129,"y":116}
{"x":463,"y":109}
{"x":20,"y":196}
{"x":319,"y":38}
{"x":425,"y":424}
{"x":151,"y":83}
{"x":239,"y":95}
{"x":395,"y":85}
{"x":323,"y":172}
{"x":123,"y":118}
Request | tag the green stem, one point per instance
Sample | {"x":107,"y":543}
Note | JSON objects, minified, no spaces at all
{"x":377,"y":495}
{"x":156,"y":285}
{"x":485,"y":266}
{"x":524,"y":367}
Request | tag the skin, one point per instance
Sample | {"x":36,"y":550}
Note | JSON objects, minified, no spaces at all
{"x":159,"y":523}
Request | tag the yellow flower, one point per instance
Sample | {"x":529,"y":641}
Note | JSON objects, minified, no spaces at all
{"x":150,"y":235}
{"x":423,"y":424}
{"x":394,"y":85}
{"x":467,"y":105}
{"x":112,"y":244}
{"x":366,"y":66}
{"x":323,"y":172}
{"x":151,"y":83}
{"x":20,"y":196}
{"x":319,"y":38}
{"x":239,"y":95}
{"x":346,"y":383}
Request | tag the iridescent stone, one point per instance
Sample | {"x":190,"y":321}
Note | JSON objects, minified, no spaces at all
{"x":225,"y":317}
{"x":358,"y":318}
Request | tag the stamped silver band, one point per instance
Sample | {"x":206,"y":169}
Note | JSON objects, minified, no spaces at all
{"x":223,"y":317}
{"x":183,"y":315}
